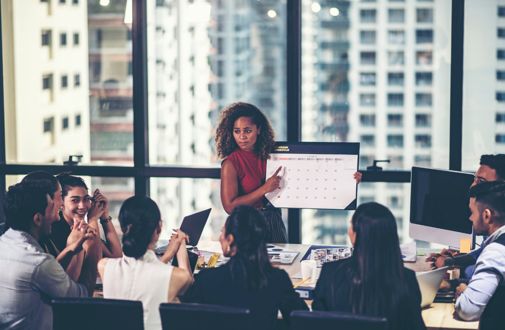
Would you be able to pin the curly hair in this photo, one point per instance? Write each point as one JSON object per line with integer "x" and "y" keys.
{"x": 225, "y": 142}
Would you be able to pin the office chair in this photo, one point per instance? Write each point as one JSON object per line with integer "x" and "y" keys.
{"x": 302, "y": 320}
{"x": 97, "y": 314}
{"x": 201, "y": 316}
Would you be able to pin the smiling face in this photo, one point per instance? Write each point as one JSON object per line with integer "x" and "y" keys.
{"x": 58, "y": 201}
{"x": 245, "y": 133}
{"x": 76, "y": 204}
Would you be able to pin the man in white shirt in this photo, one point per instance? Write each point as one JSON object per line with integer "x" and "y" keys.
{"x": 484, "y": 296}
{"x": 29, "y": 277}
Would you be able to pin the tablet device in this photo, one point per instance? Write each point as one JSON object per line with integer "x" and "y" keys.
{"x": 193, "y": 225}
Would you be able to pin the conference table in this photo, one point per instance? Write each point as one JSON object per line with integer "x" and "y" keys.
{"x": 437, "y": 316}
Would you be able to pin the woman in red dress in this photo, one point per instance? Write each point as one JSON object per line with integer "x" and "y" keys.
{"x": 244, "y": 139}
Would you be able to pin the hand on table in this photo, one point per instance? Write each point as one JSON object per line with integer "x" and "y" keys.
{"x": 460, "y": 289}
{"x": 438, "y": 259}
{"x": 273, "y": 182}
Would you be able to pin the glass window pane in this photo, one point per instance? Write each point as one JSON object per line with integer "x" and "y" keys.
{"x": 178, "y": 198}
{"x": 73, "y": 61}
{"x": 483, "y": 84}
{"x": 204, "y": 55}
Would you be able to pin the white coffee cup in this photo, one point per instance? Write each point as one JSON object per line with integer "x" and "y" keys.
{"x": 309, "y": 269}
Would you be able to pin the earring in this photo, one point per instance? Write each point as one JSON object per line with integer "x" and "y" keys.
{"x": 228, "y": 249}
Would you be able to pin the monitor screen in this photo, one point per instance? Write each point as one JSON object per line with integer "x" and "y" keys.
{"x": 439, "y": 199}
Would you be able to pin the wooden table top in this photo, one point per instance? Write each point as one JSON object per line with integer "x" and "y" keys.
{"x": 437, "y": 316}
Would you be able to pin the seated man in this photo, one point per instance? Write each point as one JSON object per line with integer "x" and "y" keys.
{"x": 30, "y": 278}
{"x": 492, "y": 168}
{"x": 484, "y": 296}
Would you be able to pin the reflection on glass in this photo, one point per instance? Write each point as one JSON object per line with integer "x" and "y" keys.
{"x": 389, "y": 90}
{"x": 67, "y": 81}
{"x": 204, "y": 55}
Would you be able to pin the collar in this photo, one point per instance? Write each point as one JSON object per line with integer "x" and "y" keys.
{"x": 494, "y": 236}
{"x": 22, "y": 236}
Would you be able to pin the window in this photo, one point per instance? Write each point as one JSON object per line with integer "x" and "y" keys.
{"x": 365, "y": 160}
{"x": 63, "y": 39}
{"x": 220, "y": 45}
{"x": 77, "y": 120}
{"x": 77, "y": 80}
{"x": 395, "y": 120}
{"x": 76, "y": 39}
{"x": 423, "y": 100}
{"x": 47, "y": 82}
{"x": 423, "y": 141}
{"x": 500, "y": 96}
{"x": 424, "y": 78}
{"x": 396, "y": 37}
{"x": 499, "y": 138}
{"x": 64, "y": 123}
{"x": 395, "y": 202}
{"x": 46, "y": 38}
{"x": 367, "y": 140}
{"x": 220, "y": 69}
{"x": 500, "y": 54}
{"x": 48, "y": 125}
{"x": 424, "y": 15}
{"x": 368, "y": 58}
{"x": 423, "y": 120}
{"x": 368, "y": 15}
{"x": 75, "y": 2}
{"x": 63, "y": 2}
{"x": 501, "y": 11}
{"x": 501, "y": 32}
{"x": 396, "y": 15}
{"x": 367, "y": 100}
{"x": 367, "y": 79}
{"x": 367, "y": 37}
{"x": 395, "y": 79}
{"x": 424, "y": 57}
{"x": 64, "y": 81}
{"x": 367, "y": 120}
{"x": 396, "y": 58}
{"x": 500, "y": 117}
{"x": 395, "y": 99}
{"x": 395, "y": 141}
{"x": 424, "y": 36}
{"x": 395, "y": 161}
{"x": 422, "y": 160}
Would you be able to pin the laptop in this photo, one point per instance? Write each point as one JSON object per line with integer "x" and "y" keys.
{"x": 429, "y": 282}
{"x": 193, "y": 226}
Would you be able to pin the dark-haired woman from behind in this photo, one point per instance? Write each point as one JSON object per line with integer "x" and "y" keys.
{"x": 373, "y": 281}
{"x": 248, "y": 280}
{"x": 139, "y": 275}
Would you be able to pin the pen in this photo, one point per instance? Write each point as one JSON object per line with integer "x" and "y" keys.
{"x": 305, "y": 280}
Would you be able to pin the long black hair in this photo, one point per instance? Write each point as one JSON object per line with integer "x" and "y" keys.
{"x": 377, "y": 286}
{"x": 139, "y": 216}
{"x": 249, "y": 230}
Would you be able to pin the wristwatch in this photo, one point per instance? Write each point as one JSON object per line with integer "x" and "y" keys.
{"x": 104, "y": 221}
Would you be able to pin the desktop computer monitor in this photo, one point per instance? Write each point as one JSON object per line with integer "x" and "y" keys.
{"x": 439, "y": 211}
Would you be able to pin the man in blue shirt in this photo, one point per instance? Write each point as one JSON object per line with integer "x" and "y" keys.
{"x": 29, "y": 277}
{"x": 484, "y": 296}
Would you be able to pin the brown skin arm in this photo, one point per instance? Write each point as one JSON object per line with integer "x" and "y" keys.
{"x": 229, "y": 188}
{"x": 179, "y": 283}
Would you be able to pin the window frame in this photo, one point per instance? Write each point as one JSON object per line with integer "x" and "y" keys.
{"x": 142, "y": 172}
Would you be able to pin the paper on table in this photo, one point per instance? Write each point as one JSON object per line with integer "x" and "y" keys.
{"x": 409, "y": 251}
{"x": 299, "y": 274}
{"x": 465, "y": 245}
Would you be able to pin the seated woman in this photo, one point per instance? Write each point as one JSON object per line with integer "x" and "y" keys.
{"x": 77, "y": 204}
{"x": 248, "y": 280}
{"x": 373, "y": 281}
{"x": 139, "y": 275}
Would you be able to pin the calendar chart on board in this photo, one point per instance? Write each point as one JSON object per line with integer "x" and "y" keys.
{"x": 314, "y": 175}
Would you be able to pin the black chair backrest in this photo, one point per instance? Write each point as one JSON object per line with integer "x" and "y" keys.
{"x": 201, "y": 316}
{"x": 97, "y": 314}
{"x": 336, "y": 320}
